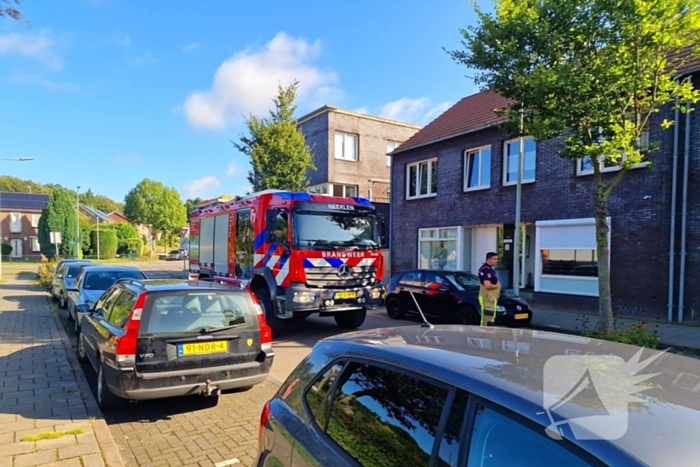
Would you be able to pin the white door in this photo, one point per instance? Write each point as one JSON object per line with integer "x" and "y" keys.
{"x": 484, "y": 240}
{"x": 16, "y": 244}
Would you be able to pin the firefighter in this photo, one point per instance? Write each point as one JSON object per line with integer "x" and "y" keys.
{"x": 489, "y": 287}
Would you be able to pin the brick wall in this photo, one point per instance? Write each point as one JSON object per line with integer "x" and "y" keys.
{"x": 640, "y": 227}
{"x": 315, "y": 131}
{"x": 27, "y": 230}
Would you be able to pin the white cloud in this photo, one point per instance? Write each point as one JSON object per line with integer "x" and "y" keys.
{"x": 190, "y": 47}
{"x": 419, "y": 111}
{"x": 200, "y": 187}
{"x": 233, "y": 169}
{"x": 246, "y": 82}
{"x": 41, "y": 46}
{"x": 126, "y": 158}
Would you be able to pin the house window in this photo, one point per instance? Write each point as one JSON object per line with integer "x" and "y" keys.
{"x": 345, "y": 146}
{"x": 477, "y": 168}
{"x": 422, "y": 179}
{"x": 390, "y": 146}
{"x": 35, "y": 244}
{"x": 15, "y": 222}
{"x": 35, "y": 220}
{"x": 438, "y": 249}
{"x": 580, "y": 263}
{"x": 585, "y": 166}
{"x": 511, "y": 159}
{"x": 345, "y": 191}
{"x": 324, "y": 189}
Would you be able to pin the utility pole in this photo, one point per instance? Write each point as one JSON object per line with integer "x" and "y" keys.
{"x": 98, "y": 238}
{"x": 518, "y": 201}
{"x": 77, "y": 218}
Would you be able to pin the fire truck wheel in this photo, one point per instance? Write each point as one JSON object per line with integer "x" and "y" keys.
{"x": 276, "y": 324}
{"x": 350, "y": 319}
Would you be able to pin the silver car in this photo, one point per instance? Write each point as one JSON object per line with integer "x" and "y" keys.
{"x": 92, "y": 283}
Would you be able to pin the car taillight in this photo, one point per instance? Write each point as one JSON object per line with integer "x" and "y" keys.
{"x": 264, "y": 416}
{"x": 265, "y": 331}
{"x": 126, "y": 344}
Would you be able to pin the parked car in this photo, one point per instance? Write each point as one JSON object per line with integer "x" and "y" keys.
{"x": 451, "y": 296}
{"x": 64, "y": 278}
{"x": 61, "y": 263}
{"x": 163, "y": 338}
{"x": 177, "y": 255}
{"x": 92, "y": 282}
{"x": 474, "y": 396}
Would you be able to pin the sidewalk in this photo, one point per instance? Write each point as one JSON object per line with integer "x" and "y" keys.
{"x": 671, "y": 335}
{"x": 48, "y": 414}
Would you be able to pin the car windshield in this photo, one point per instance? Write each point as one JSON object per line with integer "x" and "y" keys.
{"x": 325, "y": 230}
{"x": 198, "y": 312}
{"x": 462, "y": 280}
{"x": 174, "y": 252}
{"x": 73, "y": 271}
{"x": 102, "y": 280}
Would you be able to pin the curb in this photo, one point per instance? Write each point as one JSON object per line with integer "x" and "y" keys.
{"x": 110, "y": 451}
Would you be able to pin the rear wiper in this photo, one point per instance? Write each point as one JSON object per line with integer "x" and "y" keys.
{"x": 222, "y": 328}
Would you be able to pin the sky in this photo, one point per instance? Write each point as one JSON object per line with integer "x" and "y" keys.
{"x": 104, "y": 93}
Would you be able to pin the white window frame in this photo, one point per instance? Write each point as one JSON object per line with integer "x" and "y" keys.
{"x": 395, "y": 145}
{"x": 16, "y": 227}
{"x": 33, "y": 239}
{"x": 355, "y": 157}
{"x": 330, "y": 186}
{"x": 430, "y": 194}
{"x": 505, "y": 161}
{"x": 35, "y": 220}
{"x": 465, "y": 174}
{"x": 643, "y": 143}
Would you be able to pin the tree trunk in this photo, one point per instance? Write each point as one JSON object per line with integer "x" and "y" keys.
{"x": 605, "y": 314}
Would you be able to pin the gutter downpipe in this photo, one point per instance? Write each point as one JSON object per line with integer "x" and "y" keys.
{"x": 674, "y": 195}
{"x": 684, "y": 214}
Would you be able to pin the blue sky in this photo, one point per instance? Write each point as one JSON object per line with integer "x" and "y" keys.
{"x": 103, "y": 93}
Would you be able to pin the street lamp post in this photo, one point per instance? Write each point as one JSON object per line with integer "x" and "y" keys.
{"x": 518, "y": 201}
{"x": 77, "y": 229}
{"x": 18, "y": 159}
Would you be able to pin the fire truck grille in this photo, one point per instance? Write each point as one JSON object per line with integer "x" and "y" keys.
{"x": 328, "y": 277}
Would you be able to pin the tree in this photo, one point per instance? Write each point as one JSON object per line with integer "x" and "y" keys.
{"x": 156, "y": 206}
{"x": 99, "y": 202}
{"x": 589, "y": 75}
{"x": 107, "y": 243}
{"x": 58, "y": 216}
{"x": 16, "y": 185}
{"x": 191, "y": 205}
{"x": 6, "y": 9}
{"x": 279, "y": 155}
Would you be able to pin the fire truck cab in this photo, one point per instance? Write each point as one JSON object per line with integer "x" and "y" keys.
{"x": 299, "y": 253}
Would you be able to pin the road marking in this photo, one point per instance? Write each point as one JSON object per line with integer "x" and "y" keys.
{"x": 227, "y": 462}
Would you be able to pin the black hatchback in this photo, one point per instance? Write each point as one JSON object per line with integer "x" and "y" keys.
{"x": 452, "y": 296}
{"x": 154, "y": 339}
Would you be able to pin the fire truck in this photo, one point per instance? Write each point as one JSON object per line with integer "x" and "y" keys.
{"x": 299, "y": 253}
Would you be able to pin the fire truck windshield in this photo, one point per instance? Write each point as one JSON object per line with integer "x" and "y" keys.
{"x": 335, "y": 231}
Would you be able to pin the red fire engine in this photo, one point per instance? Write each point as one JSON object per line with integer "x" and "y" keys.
{"x": 299, "y": 253}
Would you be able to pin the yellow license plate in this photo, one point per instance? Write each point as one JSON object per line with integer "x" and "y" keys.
{"x": 521, "y": 316}
{"x": 202, "y": 348}
{"x": 345, "y": 295}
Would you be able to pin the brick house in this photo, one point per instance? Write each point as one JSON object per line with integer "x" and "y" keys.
{"x": 350, "y": 152}
{"x": 453, "y": 191}
{"x": 19, "y": 222}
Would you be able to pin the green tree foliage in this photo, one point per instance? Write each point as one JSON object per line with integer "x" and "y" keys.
{"x": 16, "y": 185}
{"x": 7, "y": 9}
{"x": 86, "y": 226}
{"x": 590, "y": 74}
{"x": 58, "y": 216}
{"x": 156, "y": 206}
{"x": 279, "y": 155}
{"x": 107, "y": 243}
{"x": 128, "y": 239}
{"x": 5, "y": 249}
{"x": 191, "y": 205}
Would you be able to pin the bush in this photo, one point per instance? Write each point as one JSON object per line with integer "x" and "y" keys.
{"x": 6, "y": 249}
{"x": 108, "y": 243}
{"x": 46, "y": 274}
{"x": 635, "y": 334}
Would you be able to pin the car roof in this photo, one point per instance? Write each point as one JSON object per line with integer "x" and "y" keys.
{"x": 96, "y": 267}
{"x": 176, "y": 285}
{"x": 483, "y": 361}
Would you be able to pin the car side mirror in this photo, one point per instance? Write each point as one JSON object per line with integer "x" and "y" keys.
{"x": 83, "y": 308}
{"x": 72, "y": 289}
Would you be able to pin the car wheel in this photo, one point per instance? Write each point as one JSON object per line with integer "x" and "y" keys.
{"x": 276, "y": 324}
{"x": 105, "y": 399}
{"x": 82, "y": 355}
{"x": 350, "y": 319}
{"x": 468, "y": 315}
{"x": 394, "y": 308}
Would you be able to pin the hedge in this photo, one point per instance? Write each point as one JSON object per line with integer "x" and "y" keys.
{"x": 108, "y": 243}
